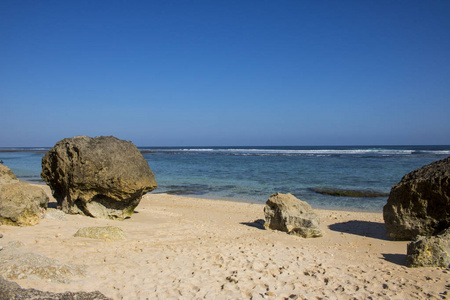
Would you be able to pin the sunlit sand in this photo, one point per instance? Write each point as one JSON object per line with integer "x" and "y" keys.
{"x": 186, "y": 248}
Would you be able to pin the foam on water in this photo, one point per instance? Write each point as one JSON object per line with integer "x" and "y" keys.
{"x": 318, "y": 152}
{"x": 254, "y": 173}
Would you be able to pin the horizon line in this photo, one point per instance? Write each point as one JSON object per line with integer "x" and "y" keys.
{"x": 259, "y": 146}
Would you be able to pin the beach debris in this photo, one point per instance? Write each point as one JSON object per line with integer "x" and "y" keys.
{"x": 101, "y": 177}
{"x": 420, "y": 203}
{"x": 431, "y": 251}
{"x": 11, "y": 290}
{"x": 108, "y": 233}
{"x": 21, "y": 204}
{"x": 16, "y": 264}
{"x": 6, "y": 175}
{"x": 287, "y": 213}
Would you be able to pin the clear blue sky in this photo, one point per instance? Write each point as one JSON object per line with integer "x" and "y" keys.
{"x": 225, "y": 72}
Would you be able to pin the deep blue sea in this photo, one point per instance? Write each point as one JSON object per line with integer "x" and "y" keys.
{"x": 252, "y": 174}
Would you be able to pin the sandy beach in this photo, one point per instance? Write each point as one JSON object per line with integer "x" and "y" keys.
{"x": 187, "y": 248}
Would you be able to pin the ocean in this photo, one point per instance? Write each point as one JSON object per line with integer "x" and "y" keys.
{"x": 356, "y": 178}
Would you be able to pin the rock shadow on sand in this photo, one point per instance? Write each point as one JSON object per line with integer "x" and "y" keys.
{"x": 363, "y": 228}
{"x": 399, "y": 259}
{"x": 256, "y": 224}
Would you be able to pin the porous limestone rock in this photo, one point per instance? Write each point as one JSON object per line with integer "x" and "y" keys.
{"x": 420, "y": 203}
{"x": 55, "y": 214}
{"x": 21, "y": 204}
{"x": 431, "y": 251}
{"x": 16, "y": 264}
{"x": 101, "y": 177}
{"x": 287, "y": 213}
{"x": 6, "y": 175}
{"x": 108, "y": 233}
{"x": 12, "y": 291}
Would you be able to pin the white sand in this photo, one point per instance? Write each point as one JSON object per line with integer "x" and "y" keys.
{"x": 186, "y": 248}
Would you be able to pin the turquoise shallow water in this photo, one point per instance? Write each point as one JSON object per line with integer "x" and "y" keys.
{"x": 252, "y": 174}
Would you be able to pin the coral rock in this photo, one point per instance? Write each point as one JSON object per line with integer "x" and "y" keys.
{"x": 420, "y": 203}
{"x": 287, "y": 213}
{"x": 101, "y": 177}
{"x": 431, "y": 251}
{"x": 21, "y": 204}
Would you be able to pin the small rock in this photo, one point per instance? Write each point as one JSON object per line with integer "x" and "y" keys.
{"x": 287, "y": 213}
{"x": 1, "y": 235}
{"x": 431, "y": 251}
{"x": 6, "y": 175}
{"x": 55, "y": 214}
{"x": 11, "y": 290}
{"x": 109, "y": 233}
{"x": 16, "y": 264}
{"x": 21, "y": 204}
{"x": 16, "y": 244}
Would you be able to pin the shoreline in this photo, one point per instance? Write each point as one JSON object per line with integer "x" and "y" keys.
{"x": 263, "y": 203}
{"x": 156, "y": 192}
{"x": 179, "y": 247}
{"x": 253, "y": 174}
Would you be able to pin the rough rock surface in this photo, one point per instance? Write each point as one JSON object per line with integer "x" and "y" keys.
{"x": 6, "y": 175}
{"x": 12, "y": 291}
{"x": 109, "y": 233}
{"x": 431, "y": 251}
{"x": 287, "y": 213}
{"x": 21, "y": 204}
{"x": 420, "y": 203}
{"x": 16, "y": 264}
{"x": 101, "y": 177}
{"x": 55, "y": 214}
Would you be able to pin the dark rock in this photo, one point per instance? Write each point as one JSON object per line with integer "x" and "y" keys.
{"x": 349, "y": 193}
{"x": 21, "y": 204}
{"x": 287, "y": 213}
{"x": 101, "y": 177}
{"x": 431, "y": 251}
{"x": 420, "y": 203}
{"x": 12, "y": 291}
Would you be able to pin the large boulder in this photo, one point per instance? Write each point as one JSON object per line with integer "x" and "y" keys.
{"x": 6, "y": 175}
{"x": 287, "y": 213}
{"x": 101, "y": 177}
{"x": 21, "y": 204}
{"x": 429, "y": 251}
{"x": 420, "y": 203}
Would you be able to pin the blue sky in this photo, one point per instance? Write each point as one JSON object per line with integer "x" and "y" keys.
{"x": 166, "y": 73}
